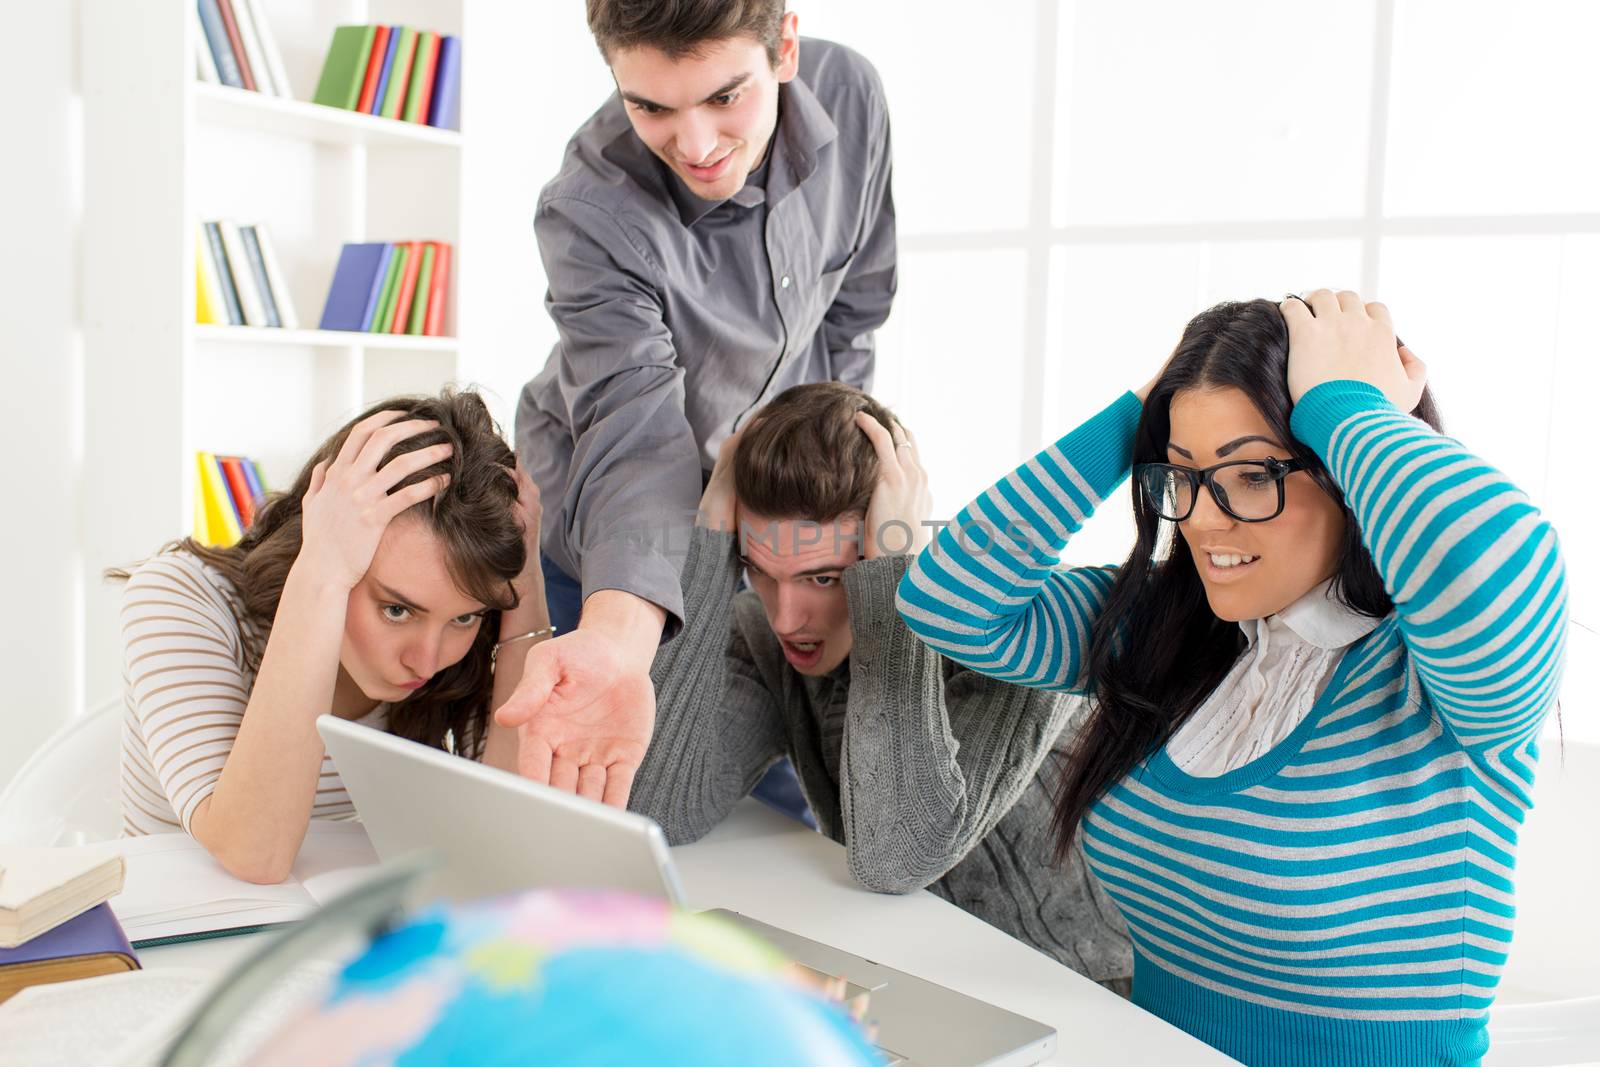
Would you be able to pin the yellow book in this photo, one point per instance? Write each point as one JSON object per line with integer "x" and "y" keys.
{"x": 222, "y": 524}
{"x": 208, "y": 303}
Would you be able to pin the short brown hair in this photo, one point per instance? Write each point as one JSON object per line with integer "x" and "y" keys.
{"x": 804, "y": 457}
{"x": 681, "y": 28}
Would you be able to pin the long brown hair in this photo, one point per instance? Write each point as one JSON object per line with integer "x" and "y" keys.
{"x": 473, "y": 517}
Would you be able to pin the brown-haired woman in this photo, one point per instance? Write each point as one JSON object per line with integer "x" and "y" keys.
{"x": 378, "y": 589}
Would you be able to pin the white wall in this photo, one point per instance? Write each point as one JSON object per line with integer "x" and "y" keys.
{"x": 40, "y": 390}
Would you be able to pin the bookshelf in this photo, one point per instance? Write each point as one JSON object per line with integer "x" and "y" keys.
{"x": 163, "y": 150}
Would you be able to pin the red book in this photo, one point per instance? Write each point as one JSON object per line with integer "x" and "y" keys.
{"x": 431, "y": 326}
{"x": 239, "y": 488}
{"x": 408, "y": 288}
{"x": 236, "y": 42}
{"x": 424, "y": 89}
{"x": 369, "y": 87}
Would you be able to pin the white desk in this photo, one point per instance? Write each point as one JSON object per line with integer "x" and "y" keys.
{"x": 771, "y": 868}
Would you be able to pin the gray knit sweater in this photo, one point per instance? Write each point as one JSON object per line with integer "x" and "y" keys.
{"x": 931, "y": 775}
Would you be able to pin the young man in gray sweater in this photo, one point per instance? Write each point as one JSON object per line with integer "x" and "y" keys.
{"x": 931, "y": 775}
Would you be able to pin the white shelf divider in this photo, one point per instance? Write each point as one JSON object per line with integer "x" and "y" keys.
{"x": 257, "y": 335}
{"x": 243, "y": 109}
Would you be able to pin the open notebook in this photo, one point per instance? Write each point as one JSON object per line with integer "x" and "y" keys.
{"x": 174, "y": 891}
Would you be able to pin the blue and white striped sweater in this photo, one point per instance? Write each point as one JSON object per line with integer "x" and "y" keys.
{"x": 1347, "y": 897}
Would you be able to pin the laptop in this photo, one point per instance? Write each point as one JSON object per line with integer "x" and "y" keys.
{"x": 414, "y": 799}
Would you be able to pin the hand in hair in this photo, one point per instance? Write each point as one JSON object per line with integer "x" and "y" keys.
{"x": 1335, "y": 337}
{"x": 349, "y": 504}
{"x": 719, "y": 503}
{"x": 529, "y": 513}
{"x": 584, "y": 719}
{"x": 900, "y": 501}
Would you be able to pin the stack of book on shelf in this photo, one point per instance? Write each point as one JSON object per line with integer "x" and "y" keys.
{"x": 396, "y": 287}
{"x": 228, "y": 490}
{"x": 234, "y": 46}
{"x": 55, "y": 925}
{"x": 238, "y": 278}
{"x": 396, "y": 72}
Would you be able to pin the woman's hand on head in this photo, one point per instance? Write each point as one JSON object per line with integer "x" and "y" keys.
{"x": 349, "y": 504}
{"x": 529, "y": 513}
{"x": 1335, "y": 337}
{"x": 719, "y": 504}
{"x": 901, "y": 502}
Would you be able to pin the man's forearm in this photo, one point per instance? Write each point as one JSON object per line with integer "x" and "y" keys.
{"x": 633, "y": 623}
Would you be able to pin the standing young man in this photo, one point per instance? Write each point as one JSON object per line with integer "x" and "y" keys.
{"x": 721, "y": 229}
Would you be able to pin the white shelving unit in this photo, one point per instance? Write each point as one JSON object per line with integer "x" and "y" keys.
{"x": 164, "y": 151}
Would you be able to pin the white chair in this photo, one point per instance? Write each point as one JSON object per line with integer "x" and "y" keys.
{"x": 68, "y": 793}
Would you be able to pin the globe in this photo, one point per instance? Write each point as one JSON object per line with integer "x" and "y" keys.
{"x": 568, "y": 977}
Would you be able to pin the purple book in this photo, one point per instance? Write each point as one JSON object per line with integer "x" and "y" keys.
{"x": 352, "y": 285}
{"x": 444, "y": 110}
{"x": 384, "y": 71}
{"x": 94, "y": 933}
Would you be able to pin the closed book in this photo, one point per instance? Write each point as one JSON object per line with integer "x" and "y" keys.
{"x": 444, "y": 111}
{"x": 252, "y": 46}
{"x": 258, "y": 268}
{"x": 272, "y": 57}
{"x": 369, "y": 84}
{"x": 209, "y": 307}
{"x": 91, "y": 944}
{"x": 401, "y": 312}
{"x": 219, "y": 260}
{"x": 236, "y": 42}
{"x": 433, "y": 325}
{"x": 394, "y": 96}
{"x": 244, "y": 280}
{"x": 421, "y": 91}
{"x": 375, "y": 297}
{"x": 41, "y": 888}
{"x": 217, "y": 37}
{"x": 280, "y": 287}
{"x": 205, "y": 63}
{"x": 252, "y": 477}
{"x": 419, "y": 304}
{"x": 352, "y": 282}
{"x": 391, "y": 285}
{"x": 345, "y": 67}
{"x": 386, "y": 71}
{"x": 223, "y": 525}
{"x": 238, "y": 489}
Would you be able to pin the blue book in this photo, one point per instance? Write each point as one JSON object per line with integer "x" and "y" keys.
{"x": 388, "y": 65}
{"x": 444, "y": 110}
{"x": 376, "y": 295}
{"x": 219, "y": 256}
{"x": 258, "y": 267}
{"x": 252, "y": 479}
{"x": 352, "y": 285}
{"x": 217, "y": 38}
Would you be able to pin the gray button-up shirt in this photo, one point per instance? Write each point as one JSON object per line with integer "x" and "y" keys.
{"x": 679, "y": 317}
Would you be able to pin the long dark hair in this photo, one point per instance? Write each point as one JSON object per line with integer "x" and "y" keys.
{"x": 473, "y": 518}
{"x": 1157, "y": 650}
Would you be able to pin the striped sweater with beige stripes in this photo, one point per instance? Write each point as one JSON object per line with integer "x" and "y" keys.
{"x": 186, "y": 682}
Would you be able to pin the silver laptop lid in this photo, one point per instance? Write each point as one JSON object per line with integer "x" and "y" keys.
{"x": 415, "y": 799}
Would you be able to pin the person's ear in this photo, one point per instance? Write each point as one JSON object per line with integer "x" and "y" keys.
{"x": 788, "y": 64}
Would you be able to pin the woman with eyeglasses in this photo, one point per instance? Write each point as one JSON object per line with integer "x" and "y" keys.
{"x": 1317, "y": 680}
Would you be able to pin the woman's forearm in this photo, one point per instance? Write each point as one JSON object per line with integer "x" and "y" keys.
{"x": 531, "y": 615}
{"x": 256, "y": 816}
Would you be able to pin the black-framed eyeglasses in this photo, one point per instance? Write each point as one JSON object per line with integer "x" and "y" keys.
{"x": 1250, "y": 490}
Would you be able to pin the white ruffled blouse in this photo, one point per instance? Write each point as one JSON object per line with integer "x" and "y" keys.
{"x": 1270, "y": 691}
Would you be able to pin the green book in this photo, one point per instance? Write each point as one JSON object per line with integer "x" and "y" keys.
{"x": 421, "y": 79}
{"x": 391, "y": 283}
{"x": 419, "y": 301}
{"x": 394, "y": 94}
{"x": 346, "y": 67}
